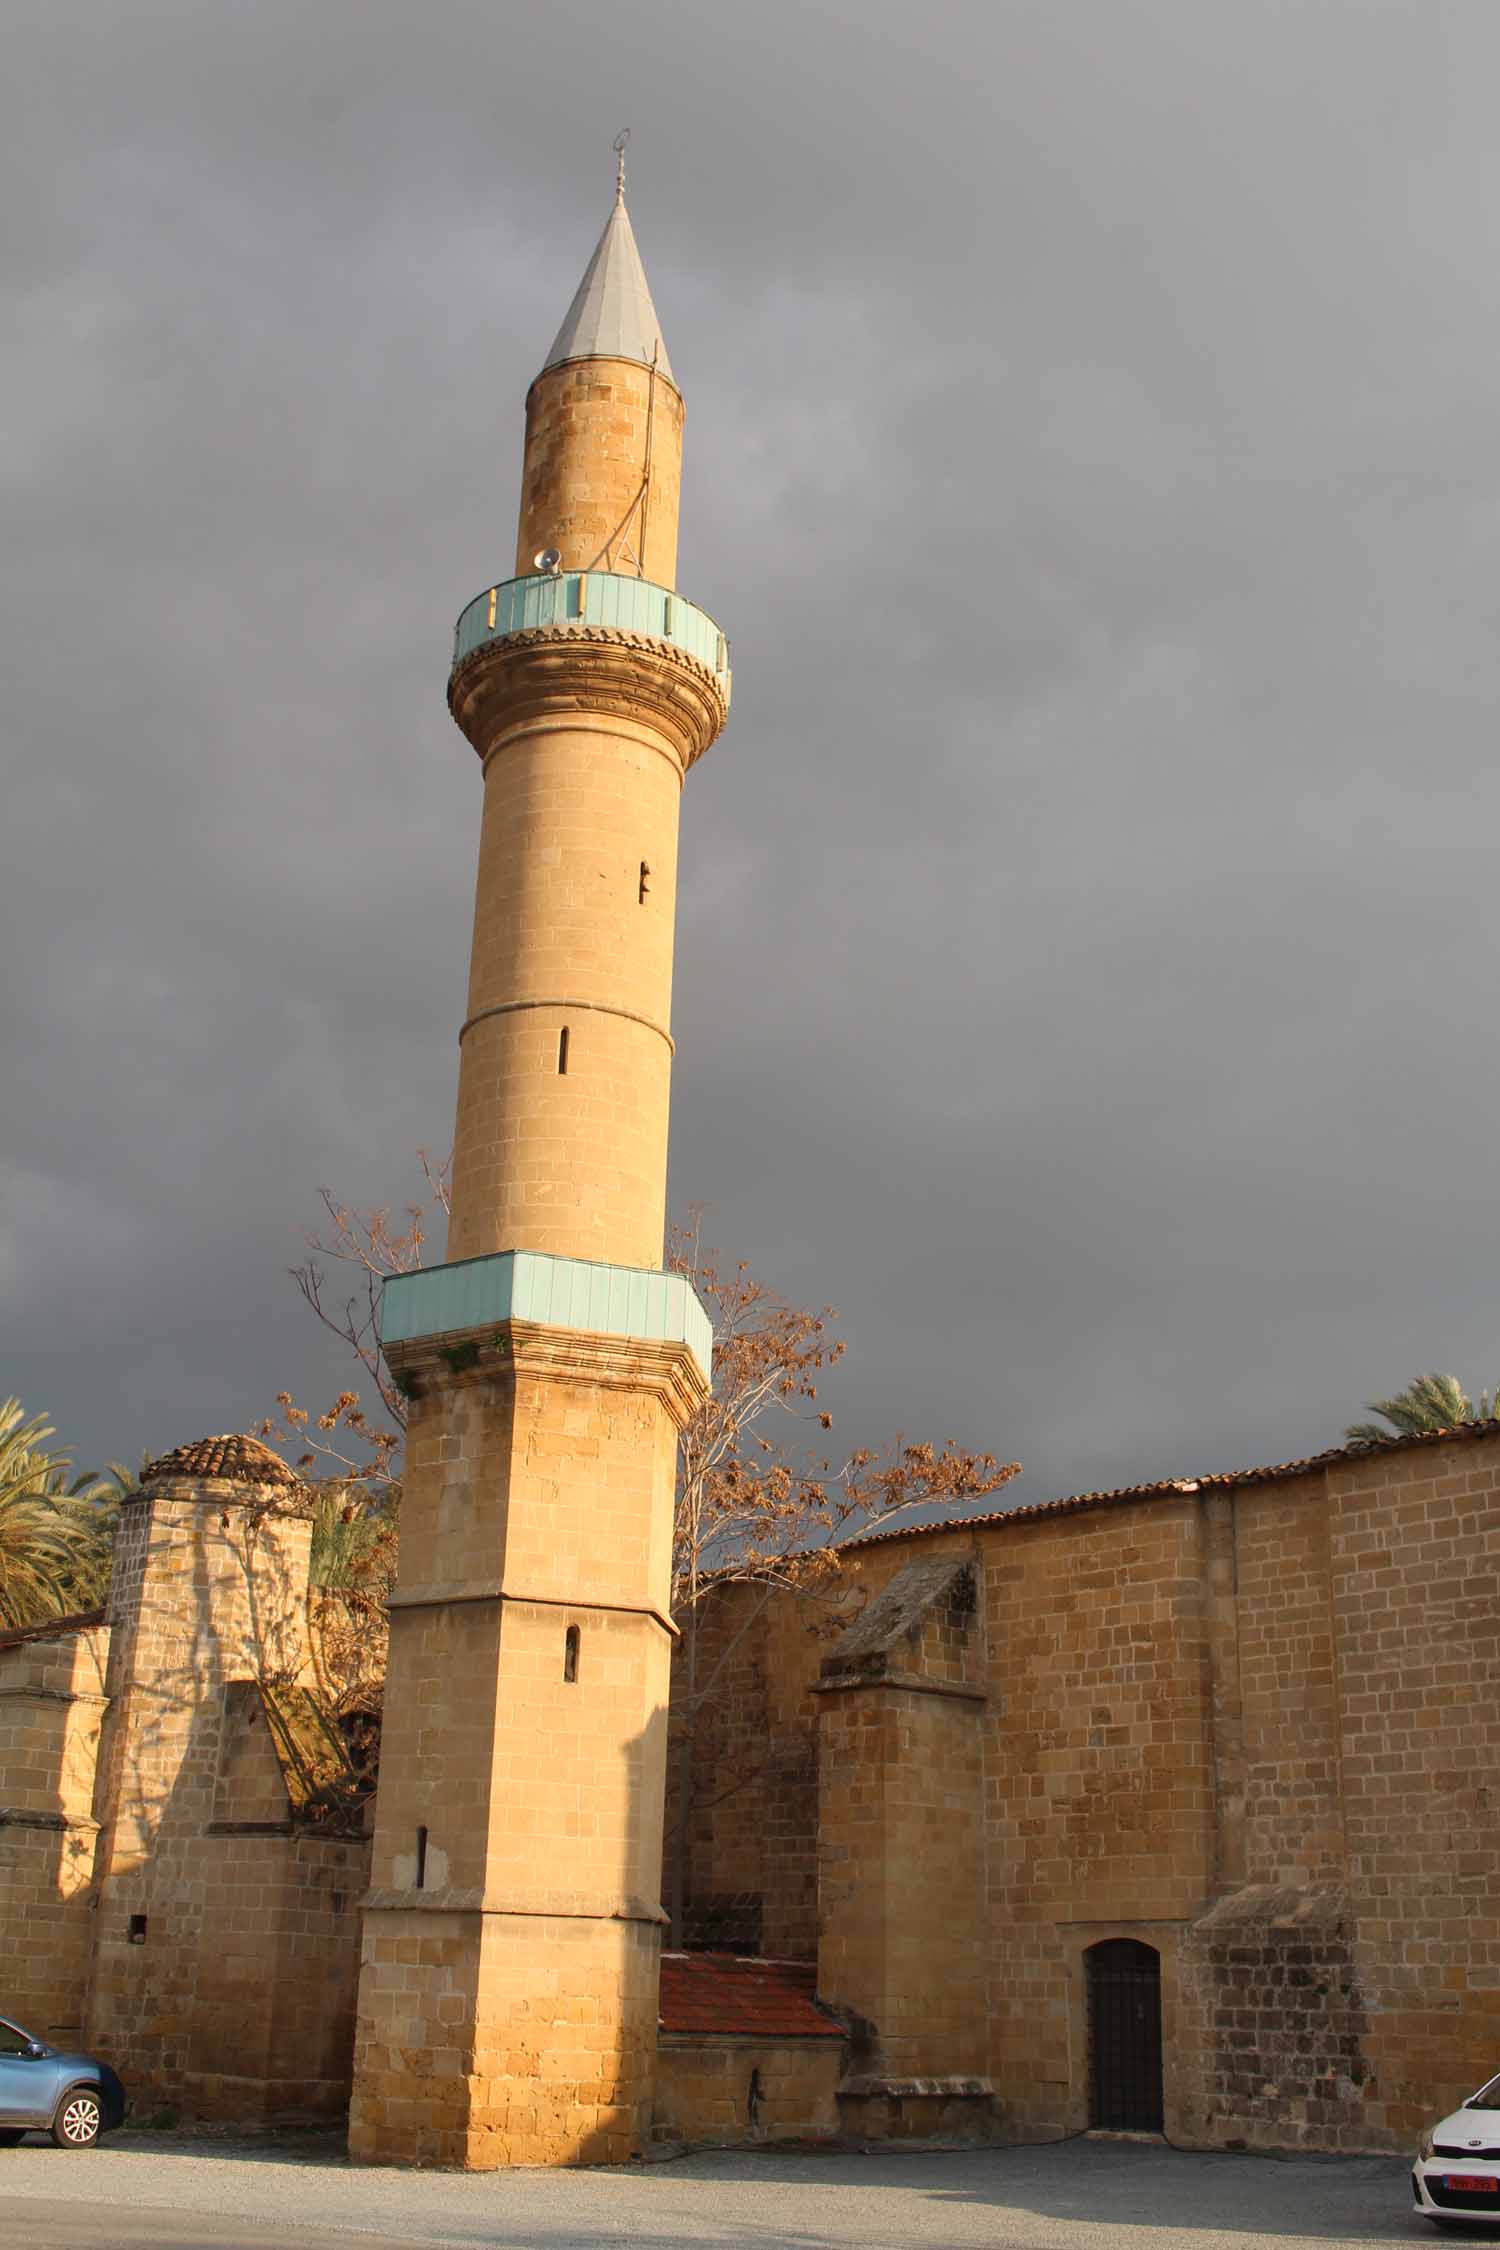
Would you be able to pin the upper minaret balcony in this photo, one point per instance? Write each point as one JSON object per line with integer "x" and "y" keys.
{"x": 561, "y": 640}
{"x": 577, "y": 599}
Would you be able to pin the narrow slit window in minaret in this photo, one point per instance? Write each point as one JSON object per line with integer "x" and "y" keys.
{"x": 645, "y": 881}
{"x": 570, "y": 1654}
{"x": 421, "y": 1883}
{"x": 562, "y": 1052}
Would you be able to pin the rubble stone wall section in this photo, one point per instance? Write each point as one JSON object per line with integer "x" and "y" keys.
{"x": 751, "y": 1875}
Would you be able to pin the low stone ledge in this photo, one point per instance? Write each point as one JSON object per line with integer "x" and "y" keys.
{"x": 588, "y": 1906}
{"x": 909, "y": 1683}
{"x": 861, "y": 2085}
{"x": 12, "y": 1816}
{"x": 873, "y": 2107}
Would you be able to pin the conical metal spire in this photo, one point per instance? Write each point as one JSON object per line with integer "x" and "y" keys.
{"x": 612, "y": 316}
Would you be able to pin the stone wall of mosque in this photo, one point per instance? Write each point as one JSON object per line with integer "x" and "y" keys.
{"x": 52, "y": 1705}
{"x": 1229, "y": 1740}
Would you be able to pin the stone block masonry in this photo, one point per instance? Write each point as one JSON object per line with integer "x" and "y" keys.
{"x": 592, "y": 428}
{"x": 1242, "y": 1723}
{"x": 508, "y": 1986}
{"x": 52, "y": 1705}
{"x": 508, "y": 1993}
{"x": 224, "y": 1945}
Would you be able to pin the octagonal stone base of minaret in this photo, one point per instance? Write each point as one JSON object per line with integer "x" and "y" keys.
{"x": 518, "y": 2039}
{"x": 508, "y": 1991}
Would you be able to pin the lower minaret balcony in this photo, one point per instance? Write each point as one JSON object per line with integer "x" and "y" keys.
{"x": 482, "y": 1312}
{"x": 550, "y": 648}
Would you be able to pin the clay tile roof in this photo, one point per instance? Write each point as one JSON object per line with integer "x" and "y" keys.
{"x": 235, "y": 1459}
{"x": 725, "y": 1996}
{"x": 1219, "y": 1480}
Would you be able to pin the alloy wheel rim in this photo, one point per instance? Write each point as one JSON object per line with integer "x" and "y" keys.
{"x": 81, "y": 2118}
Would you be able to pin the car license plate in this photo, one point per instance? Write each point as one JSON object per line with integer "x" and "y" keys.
{"x": 1471, "y": 2183}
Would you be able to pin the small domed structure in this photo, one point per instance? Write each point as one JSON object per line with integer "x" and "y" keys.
{"x": 232, "y": 1459}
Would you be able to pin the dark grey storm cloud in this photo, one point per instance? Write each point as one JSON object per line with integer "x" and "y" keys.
{"x": 1086, "y": 959}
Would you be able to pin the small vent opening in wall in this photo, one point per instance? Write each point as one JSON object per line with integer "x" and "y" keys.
{"x": 570, "y": 1653}
{"x": 562, "y": 1052}
{"x": 421, "y": 1859}
{"x": 137, "y": 1929}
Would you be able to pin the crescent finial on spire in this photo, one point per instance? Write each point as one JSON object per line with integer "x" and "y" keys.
{"x": 620, "y": 140}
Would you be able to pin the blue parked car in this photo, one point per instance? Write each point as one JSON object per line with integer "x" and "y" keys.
{"x": 72, "y": 2097}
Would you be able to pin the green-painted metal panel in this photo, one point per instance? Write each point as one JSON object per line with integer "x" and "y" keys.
{"x": 598, "y": 597}
{"x": 478, "y": 1293}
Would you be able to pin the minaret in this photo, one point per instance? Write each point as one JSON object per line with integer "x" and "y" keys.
{"x": 508, "y": 1992}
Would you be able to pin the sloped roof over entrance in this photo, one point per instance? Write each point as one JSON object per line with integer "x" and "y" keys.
{"x": 727, "y": 1996}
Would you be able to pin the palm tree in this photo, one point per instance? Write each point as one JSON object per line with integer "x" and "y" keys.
{"x": 56, "y": 1537}
{"x": 1432, "y": 1402}
{"x": 353, "y": 1537}
{"x": 352, "y": 1571}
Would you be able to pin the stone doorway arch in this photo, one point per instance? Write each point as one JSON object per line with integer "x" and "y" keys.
{"x": 1125, "y": 2059}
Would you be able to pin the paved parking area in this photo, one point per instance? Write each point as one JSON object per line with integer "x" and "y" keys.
{"x": 177, "y": 2192}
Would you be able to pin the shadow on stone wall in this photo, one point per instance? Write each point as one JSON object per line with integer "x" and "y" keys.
{"x": 226, "y": 1922}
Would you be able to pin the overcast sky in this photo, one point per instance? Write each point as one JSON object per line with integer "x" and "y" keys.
{"x": 1086, "y": 969}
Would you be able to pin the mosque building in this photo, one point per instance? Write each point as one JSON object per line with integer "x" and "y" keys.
{"x": 1162, "y": 1808}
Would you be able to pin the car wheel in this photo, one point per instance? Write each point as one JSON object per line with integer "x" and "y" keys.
{"x": 78, "y": 2119}
{"x": 12, "y": 2135}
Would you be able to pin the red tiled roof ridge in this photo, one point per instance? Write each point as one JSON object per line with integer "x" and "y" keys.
{"x": 741, "y": 1960}
{"x": 742, "y": 1996}
{"x": 1213, "y": 1480}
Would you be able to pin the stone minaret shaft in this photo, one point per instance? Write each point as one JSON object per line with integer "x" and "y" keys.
{"x": 566, "y": 1054}
{"x": 508, "y": 1989}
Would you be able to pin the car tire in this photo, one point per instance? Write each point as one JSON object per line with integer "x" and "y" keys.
{"x": 79, "y": 2119}
{"x": 11, "y": 2136}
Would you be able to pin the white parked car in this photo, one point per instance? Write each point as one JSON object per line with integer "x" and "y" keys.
{"x": 1456, "y": 2177}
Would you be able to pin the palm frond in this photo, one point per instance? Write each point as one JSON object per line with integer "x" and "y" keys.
{"x": 56, "y": 1529}
{"x": 1432, "y": 1402}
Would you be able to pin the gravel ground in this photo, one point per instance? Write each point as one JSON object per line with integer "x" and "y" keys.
{"x": 165, "y": 2191}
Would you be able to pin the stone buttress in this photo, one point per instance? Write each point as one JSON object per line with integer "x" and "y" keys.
{"x": 508, "y": 1996}
{"x": 222, "y": 1954}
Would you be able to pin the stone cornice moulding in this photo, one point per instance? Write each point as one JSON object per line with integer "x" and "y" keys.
{"x": 585, "y": 1906}
{"x": 509, "y": 1349}
{"x": 906, "y": 1683}
{"x": 471, "y": 1590}
{"x": 223, "y": 1492}
{"x": 577, "y": 671}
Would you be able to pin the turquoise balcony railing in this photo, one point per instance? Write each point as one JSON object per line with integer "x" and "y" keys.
{"x": 479, "y": 1293}
{"x": 592, "y": 597}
